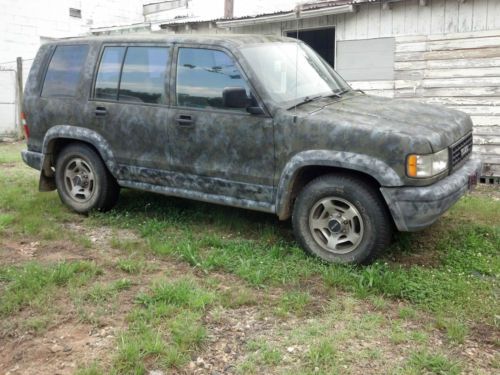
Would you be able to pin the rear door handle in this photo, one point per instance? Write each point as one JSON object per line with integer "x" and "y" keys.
{"x": 101, "y": 111}
{"x": 184, "y": 120}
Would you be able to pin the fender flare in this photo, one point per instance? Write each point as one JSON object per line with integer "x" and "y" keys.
{"x": 78, "y": 134}
{"x": 383, "y": 173}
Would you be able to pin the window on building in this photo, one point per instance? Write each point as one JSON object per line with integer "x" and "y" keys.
{"x": 74, "y": 12}
{"x": 108, "y": 75}
{"x": 65, "y": 70}
{"x": 143, "y": 76}
{"x": 202, "y": 76}
{"x": 366, "y": 60}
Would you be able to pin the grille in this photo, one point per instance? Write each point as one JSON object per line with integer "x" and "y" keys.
{"x": 461, "y": 151}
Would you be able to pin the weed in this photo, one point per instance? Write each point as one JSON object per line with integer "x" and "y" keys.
{"x": 432, "y": 363}
{"x": 293, "y": 302}
{"x": 456, "y": 331}
{"x": 92, "y": 369}
{"x": 407, "y": 312}
{"x": 32, "y": 283}
{"x": 131, "y": 265}
{"x": 182, "y": 293}
{"x": 322, "y": 355}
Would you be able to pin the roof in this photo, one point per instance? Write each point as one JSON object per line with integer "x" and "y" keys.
{"x": 303, "y": 10}
{"x": 229, "y": 40}
{"x": 312, "y": 8}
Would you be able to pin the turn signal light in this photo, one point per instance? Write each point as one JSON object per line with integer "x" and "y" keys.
{"x": 412, "y": 166}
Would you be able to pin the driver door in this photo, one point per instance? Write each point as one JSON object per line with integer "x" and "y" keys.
{"x": 228, "y": 151}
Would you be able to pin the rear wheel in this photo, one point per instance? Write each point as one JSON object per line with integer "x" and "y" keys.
{"x": 83, "y": 181}
{"x": 341, "y": 219}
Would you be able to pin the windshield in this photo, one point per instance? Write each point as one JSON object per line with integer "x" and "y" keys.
{"x": 293, "y": 72}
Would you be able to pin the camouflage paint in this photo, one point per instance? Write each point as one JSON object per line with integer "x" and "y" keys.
{"x": 415, "y": 208}
{"x": 245, "y": 160}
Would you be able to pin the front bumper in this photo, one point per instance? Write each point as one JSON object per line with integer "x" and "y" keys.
{"x": 415, "y": 208}
{"x": 33, "y": 159}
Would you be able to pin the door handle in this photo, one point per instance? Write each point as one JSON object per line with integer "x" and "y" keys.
{"x": 184, "y": 120}
{"x": 101, "y": 111}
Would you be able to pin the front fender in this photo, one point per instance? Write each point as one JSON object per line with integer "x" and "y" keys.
{"x": 80, "y": 134}
{"x": 383, "y": 173}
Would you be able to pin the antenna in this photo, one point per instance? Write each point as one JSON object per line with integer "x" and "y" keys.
{"x": 298, "y": 9}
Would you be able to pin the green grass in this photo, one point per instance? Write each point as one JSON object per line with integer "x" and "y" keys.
{"x": 468, "y": 265}
{"x": 424, "y": 362}
{"x": 165, "y": 328}
{"x": 31, "y": 284}
{"x": 11, "y": 153}
{"x": 131, "y": 265}
{"x": 293, "y": 302}
{"x": 456, "y": 286}
{"x": 92, "y": 369}
{"x": 26, "y": 212}
{"x": 100, "y": 293}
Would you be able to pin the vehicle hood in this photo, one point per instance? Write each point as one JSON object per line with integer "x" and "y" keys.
{"x": 440, "y": 126}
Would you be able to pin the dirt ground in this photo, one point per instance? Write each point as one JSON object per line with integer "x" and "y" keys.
{"x": 68, "y": 342}
{"x": 76, "y": 329}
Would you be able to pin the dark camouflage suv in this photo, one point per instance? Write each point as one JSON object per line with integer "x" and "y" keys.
{"x": 251, "y": 121}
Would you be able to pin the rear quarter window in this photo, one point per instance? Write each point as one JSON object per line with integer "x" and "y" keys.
{"x": 65, "y": 70}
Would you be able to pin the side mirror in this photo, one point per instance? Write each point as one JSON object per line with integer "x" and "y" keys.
{"x": 235, "y": 97}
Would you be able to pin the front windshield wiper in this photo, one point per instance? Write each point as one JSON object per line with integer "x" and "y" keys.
{"x": 340, "y": 93}
{"x": 307, "y": 99}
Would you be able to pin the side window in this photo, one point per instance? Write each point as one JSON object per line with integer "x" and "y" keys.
{"x": 143, "y": 75}
{"x": 202, "y": 76}
{"x": 65, "y": 70}
{"x": 108, "y": 75}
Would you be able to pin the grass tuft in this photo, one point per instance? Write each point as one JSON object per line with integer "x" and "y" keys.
{"x": 423, "y": 362}
{"x": 31, "y": 284}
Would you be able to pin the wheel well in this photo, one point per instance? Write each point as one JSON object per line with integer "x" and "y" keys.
{"x": 47, "y": 177}
{"x": 55, "y": 146}
{"x": 309, "y": 173}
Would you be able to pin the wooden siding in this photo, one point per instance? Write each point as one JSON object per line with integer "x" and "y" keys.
{"x": 438, "y": 72}
{"x": 447, "y": 52}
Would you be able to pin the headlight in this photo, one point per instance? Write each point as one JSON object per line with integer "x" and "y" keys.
{"x": 422, "y": 166}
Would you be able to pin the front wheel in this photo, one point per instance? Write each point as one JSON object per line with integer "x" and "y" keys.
{"x": 341, "y": 219}
{"x": 83, "y": 181}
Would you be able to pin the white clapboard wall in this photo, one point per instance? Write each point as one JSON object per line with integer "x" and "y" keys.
{"x": 458, "y": 70}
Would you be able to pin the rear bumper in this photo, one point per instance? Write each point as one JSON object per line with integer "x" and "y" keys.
{"x": 415, "y": 208}
{"x": 33, "y": 159}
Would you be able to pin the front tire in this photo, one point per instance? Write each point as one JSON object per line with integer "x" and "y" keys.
{"x": 83, "y": 181}
{"x": 341, "y": 219}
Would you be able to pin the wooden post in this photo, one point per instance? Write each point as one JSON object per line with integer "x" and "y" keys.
{"x": 228, "y": 9}
{"x": 19, "y": 96}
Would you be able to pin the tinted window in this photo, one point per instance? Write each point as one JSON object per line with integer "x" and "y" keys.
{"x": 202, "y": 75}
{"x": 108, "y": 76}
{"x": 143, "y": 76}
{"x": 65, "y": 71}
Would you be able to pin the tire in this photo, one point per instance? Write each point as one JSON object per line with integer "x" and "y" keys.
{"x": 341, "y": 219}
{"x": 83, "y": 182}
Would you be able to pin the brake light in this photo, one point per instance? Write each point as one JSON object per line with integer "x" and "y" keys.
{"x": 25, "y": 126}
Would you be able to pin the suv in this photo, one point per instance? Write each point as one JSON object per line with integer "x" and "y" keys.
{"x": 251, "y": 121}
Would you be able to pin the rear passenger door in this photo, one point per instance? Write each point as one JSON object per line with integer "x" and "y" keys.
{"x": 225, "y": 151}
{"x": 129, "y": 109}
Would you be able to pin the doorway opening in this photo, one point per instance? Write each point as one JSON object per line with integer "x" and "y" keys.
{"x": 321, "y": 40}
